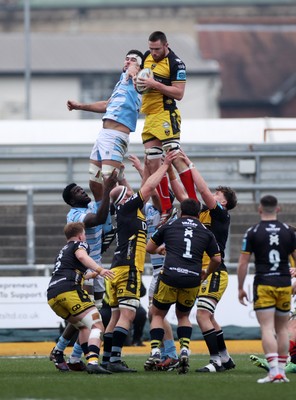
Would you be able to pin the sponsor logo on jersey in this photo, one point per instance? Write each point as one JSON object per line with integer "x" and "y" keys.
{"x": 76, "y": 307}
{"x": 181, "y": 75}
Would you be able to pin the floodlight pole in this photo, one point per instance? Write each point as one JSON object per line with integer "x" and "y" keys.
{"x": 27, "y": 59}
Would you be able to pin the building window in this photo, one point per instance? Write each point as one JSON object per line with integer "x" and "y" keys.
{"x": 96, "y": 88}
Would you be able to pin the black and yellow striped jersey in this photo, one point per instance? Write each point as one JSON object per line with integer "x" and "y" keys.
{"x": 131, "y": 234}
{"x": 271, "y": 242}
{"x": 68, "y": 271}
{"x": 217, "y": 220}
{"x": 170, "y": 69}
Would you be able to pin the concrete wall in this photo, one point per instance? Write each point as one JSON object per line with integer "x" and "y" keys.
{"x": 49, "y": 95}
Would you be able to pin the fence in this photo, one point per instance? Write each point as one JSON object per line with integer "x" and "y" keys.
{"x": 252, "y": 173}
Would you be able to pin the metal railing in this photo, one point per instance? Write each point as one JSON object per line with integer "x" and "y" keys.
{"x": 30, "y": 220}
{"x": 255, "y": 188}
{"x": 31, "y": 189}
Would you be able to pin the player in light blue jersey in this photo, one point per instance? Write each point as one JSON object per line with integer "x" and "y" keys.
{"x": 94, "y": 233}
{"x": 120, "y": 118}
{"x": 93, "y": 215}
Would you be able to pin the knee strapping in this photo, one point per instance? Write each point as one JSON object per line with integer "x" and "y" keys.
{"x": 108, "y": 169}
{"x": 91, "y": 318}
{"x": 204, "y": 303}
{"x": 95, "y": 333}
{"x": 153, "y": 153}
{"x": 131, "y": 304}
{"x": 171, "y": 145}
{"x": 95, "y": 174}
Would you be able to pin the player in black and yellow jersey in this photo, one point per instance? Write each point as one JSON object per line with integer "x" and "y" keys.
{"x": 69, "y": 301}
{"x": 128, "y": 264}
{"x": 185, "y": 240}
{"x": 271, "y": 242}
{"x": 215, "y": 216}
{"x": 162, "y": 118}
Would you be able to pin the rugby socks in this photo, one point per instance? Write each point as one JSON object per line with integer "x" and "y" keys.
{"x": 84, "y": 347}
{"x": 107, "y": 348}
{"x": 119, "y": 336}
{"x": 222, "y": 346}
{"x": 184, "y": 335}
{"x": 139, "y": 325}
{"x": 164, "y": 194}
{"x": 272, "y": 359}
{"x": 210, "y": 338}
{"x": 156, "y": 335}
{"x": 188, "y": 183}
{"x": 282, "y": 361}
{"x": 93, "y": 355}
{"x": 76, "y": 352}
{"x": 62, "y": 343}
{"x": 169, "y": 349}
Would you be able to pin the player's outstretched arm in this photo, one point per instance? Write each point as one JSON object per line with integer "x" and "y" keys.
{"x": 97, "y": 107}
{"x": 154, "y": 180}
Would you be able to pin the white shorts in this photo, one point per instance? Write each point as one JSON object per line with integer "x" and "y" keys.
{"x": 99, "y": 284}
{"x": 110, "y": 145}
{"x": 153, "y": 282}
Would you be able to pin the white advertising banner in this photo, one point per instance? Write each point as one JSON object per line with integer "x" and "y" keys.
{"x": 23, "y": 304}
{"x": 229, "y": 310}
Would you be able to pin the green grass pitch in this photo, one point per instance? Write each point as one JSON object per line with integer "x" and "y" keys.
{"x": 37, "y": 378}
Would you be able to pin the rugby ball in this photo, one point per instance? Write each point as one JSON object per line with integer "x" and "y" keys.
{"x": 144, "y": 73}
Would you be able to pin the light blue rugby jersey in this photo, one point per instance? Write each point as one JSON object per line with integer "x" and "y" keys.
{"x": 152, "y": 220}
{"x": 124, "y": 104}
{"x": 94, "y": 234}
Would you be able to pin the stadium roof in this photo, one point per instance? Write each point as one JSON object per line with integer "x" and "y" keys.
{"x": 257, "y": 57}
{"x": 144, "y": 3}
{"x": 85, "y": 52}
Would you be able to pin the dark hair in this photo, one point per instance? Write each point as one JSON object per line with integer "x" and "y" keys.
{"x": 230, "y": 196}
{"x": 269, "y": 203}
{"x": 157, "y": 35}
{"x": 190, "y": 207}
{"x": 67, "y": 193}
{"x": 73, "y": 229}
{"x": 138, "y": 53}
